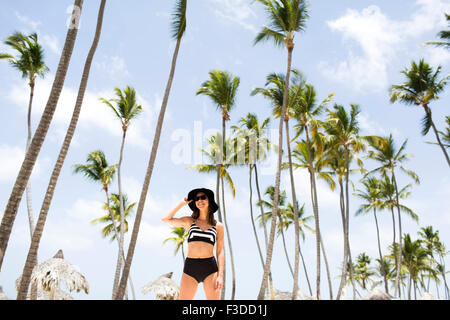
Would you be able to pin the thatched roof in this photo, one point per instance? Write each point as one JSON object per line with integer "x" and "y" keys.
{"x": 52, "y": 273}
{"x": 163, "y": 287}
{"x": 377, "y": 294}
{"x": 49, "y": 275}
{"x": 2, "y": 295}
{"x": 283, "y": 295}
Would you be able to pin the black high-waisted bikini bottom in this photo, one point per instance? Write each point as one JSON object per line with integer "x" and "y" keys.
{"x": 200, "y": 268}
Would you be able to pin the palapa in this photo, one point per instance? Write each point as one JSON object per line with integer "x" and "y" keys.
{"x": 163, "y": 287}
{"x": 49, "y": 275}
{"x": 2, "y": 294}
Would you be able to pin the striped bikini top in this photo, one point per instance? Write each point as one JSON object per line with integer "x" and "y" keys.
{"x": 197, "y": 234}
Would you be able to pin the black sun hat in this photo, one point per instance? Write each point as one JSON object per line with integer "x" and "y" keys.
{"x": 208, "y": 193}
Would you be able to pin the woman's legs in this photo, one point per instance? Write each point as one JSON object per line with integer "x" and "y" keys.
{"x": 209, "y": 285}
{"x": 188, "y": 287}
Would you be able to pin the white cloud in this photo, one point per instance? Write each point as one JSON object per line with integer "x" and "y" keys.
{"x": 378, "y": 40}
{"x": 235, "y": 11}
{"x": 94, "y": 113}
{"x": 114, "y": 66}
{"x": 11, "y": 159}
{"x": 46, "y": 40}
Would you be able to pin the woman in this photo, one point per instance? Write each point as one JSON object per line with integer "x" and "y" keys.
{"x": 203, "y": 233}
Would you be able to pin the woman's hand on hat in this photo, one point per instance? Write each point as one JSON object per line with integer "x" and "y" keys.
{"x": 186, "y": 201}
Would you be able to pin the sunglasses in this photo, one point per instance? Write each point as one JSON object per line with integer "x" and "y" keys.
{"x": 203, "y": 197}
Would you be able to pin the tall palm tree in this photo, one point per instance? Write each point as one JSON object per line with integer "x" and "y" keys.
{"x": 221, "y": 88}
{"x": 305, "y": 111}
{"x": 28, "y": 268}
{"x": 302, "y": 222}
{"x": 343, "y": 132}
{"x": 422, "y": 86}
{"x": 254, "y": 146}
{"x": 34, "y": 148}
{"x": 372, "y": 197}
{"x": 98, "y": 170}
{"x": 126, "y": 109}
{"x": 389, "y": 158}
{"x": 179, "y": 238}
{"x": 285, "y": 18}
{"x": 178, "y": 28}
{"x": 213, "y": 152}
{"x": 444, "y": 35}
{"x": 275, "y": 95}
{"x": 30, "y": 62}
{"x": 314, "y": 157}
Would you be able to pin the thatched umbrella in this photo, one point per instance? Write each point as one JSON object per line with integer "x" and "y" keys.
{"x": 283, "y": 295}
{"x": 49, "y": 275}
{"x": 377, "y": 294}
{"x": 164, "y": 287}
{"x": 2, "y": 295}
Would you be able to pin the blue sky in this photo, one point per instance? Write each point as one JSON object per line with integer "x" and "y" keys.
{"x": 354, "y": 49}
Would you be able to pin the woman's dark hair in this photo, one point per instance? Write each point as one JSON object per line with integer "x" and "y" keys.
{"x": 211, "y": 219}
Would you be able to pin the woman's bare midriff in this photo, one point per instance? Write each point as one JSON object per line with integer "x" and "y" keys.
{"x": 199, "y": 249}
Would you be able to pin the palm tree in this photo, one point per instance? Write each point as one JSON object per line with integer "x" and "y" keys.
{"x": 420, "y": 88}
{"x": 30, "y": 62}
{"x": 415, "y": 260}
{"x": 343, "y": 133}
{"x": 444, "y": 35}
{"x": 267, "y": 216}
{"x": 254, "y": 147}
{"x": 110, "y": 230}
{"x": 286, "y": 17}
{"x": 302, "y": 222}
{"x": 363, "y": 272}
{"x": 305, "y": 111}
{"x": 430, "y": 239}
{"x": 32, "y": 253}
{"x": 275, "y": 95}
{"x": 372, "y": 195}
{"x": 303, "y": 154}
{"x": 34, "y": 148}
{"x": 178, "y": 28}
{"x": 389, "y": 158}
{"x": 126, "y": 109}
{"x": 179, "y": 237}
{"x": 214, "y": 150}
{"x": 98, "y": 170}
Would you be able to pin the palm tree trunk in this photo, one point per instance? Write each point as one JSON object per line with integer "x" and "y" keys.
{"x": 218, "y": 167}
{"x": 28, "y": 188}
{"x": 296, "y": 226}
{"x": 38, "y": 139}
{"x": 315, "y": 211}
{"x": 148, "y": 174}
{"x": 272, "y": 293}
{"x": 122, "y": 218}
{"x": 284, "y": 246}
{"x": 379, "y": 252}
{"x": 347, "y": 220}
{"x": 28, "y": 193}
{"x": 399, "y": 259}
{"x": 233, "y": 283}
{"x": 37, "y": 234}
{"x": 306, "y": 271}
{"x": 327, "y": 268}
{"x": 344, "y": 267}
{"x": 252, "y": 218}
{"x": 436, "y": 133}
{"x": 117, "y": 237}
{"x": 277, "y": 182}
{"x": 393, "y": 244}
